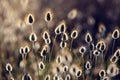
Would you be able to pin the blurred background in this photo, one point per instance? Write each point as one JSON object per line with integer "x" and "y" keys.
{"x": 14, "y": 33}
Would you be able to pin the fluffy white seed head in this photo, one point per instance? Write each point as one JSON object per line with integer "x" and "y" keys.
{"x": 68, "y": 77}
{"x": 8, "y": 67}
{"x": 117, "y": 53}
{"x": 101, "y": 45}
{"x": 88, "y": 37}
{"x": 57, "y": 69}
{"x": 78, "y": 72}
{"x": 64, "y": 37}
{"x": 46, "y": 35}
{"x": 96, "y": 53}
{"x": 98, "y": 45}
{"x": 27, "y": 49}
{"x": 74, "y": 34}
{"x": 59, "y": 59}
{"x": 57, "y": 30}
{"x": 65, "y": 68}
{"x": 33, "y": 37}
{"x": 21, "y": 50}
{"x": 56, "y": 77}
{"x": 73, "y": 69}
{"x": 48, "y": 15}
{"x": 88, "y": 65}
{"x": 47, "y": 77}
{"x": 29, "y": 19}
{"x": 63, "y": 44}
{"x": 48, "y": 41}
{"x": 66, "y": 58}
{"x": 113, "y": 59}
{"x": 41, "y": 65}
{"x": 82, "y": 49}
{"x": 112, "y": 70}
{"x": 44, "y": 51}
{"x": 102, "y": 73}
{"x": 116, "y": 34}
{"x": 62, "y": 26}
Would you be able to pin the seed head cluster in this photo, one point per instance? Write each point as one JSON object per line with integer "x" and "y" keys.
{"x": 57, "y": 51}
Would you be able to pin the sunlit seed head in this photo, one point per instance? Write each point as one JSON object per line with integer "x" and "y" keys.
{"x": 57, "y": 30}
{"x": 8, "y": 67}
{"x": 48, "y": 15}
{"x": 46, "y": 35}
{"x": 74, "y": 34}
{"x": 65, "y": 68}
{"x": 27, "y": 49}
{"x": 72, "y": 14}
{"x": 33, "y": 37}
{"x": 21, "y": 51}
{"x": 68, "y": 77}
{"x": 66, "y": 57}
{"x": 47, "y": 41}
{"x": 62, "y": 26}
{"x": 98, "y": 45}
{"x": 88, "y": 37}
{"x": 88, "y": 65}
{"x": 102, "y": 73}
{"x": 113, "y": 59}
{"x": 57, "y": 69}
{"x": 46, "y": 47}
{"x": 47, "y": 77}
{"x": 73, "y": 69}
{"x": 82, "y": 49}
{"x": 64, "y": 37}
{"x": 26, "y": 77}
{"x": 112, "y": 70}
{"x": 78, "y": 72}
{"x": 43, "y": 52}
{"x": 117, "y": 53}
{"x": 96, "y": 53}
{"x": 56, "y": 77}
{"x": 101, "y": 45}
{"x": 59, "y": 59}
{"x": 63, "y": 44}
{"x": 41, "y": 65}
{"x": 29, "y": 19}
{"x": 116, "y": 34}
